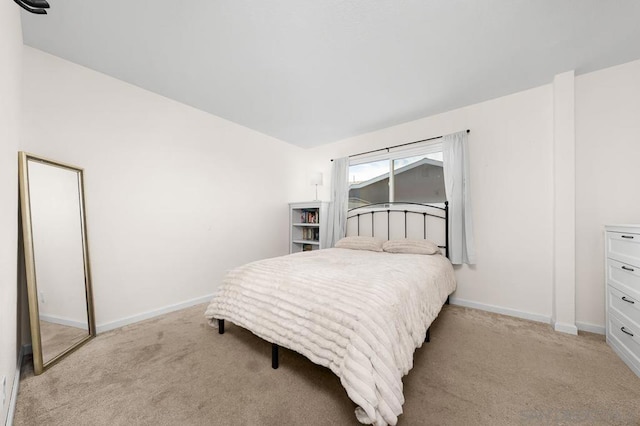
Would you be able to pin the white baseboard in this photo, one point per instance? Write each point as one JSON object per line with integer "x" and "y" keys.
{"x": 64, "y": 321}
{"x": 500, "y": 310}
{"x": 564, "y": 327}
{"x": 101, "y": 328}
{"x": 591, "y": 328}
{"x": 13, "y": 399}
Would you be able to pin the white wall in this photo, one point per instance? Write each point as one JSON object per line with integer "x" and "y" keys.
{"x": 10, "y": 65}
{"x": 511, "y": 144}
{"x": 607, "y": 174}
{"x": 175, "y": 197}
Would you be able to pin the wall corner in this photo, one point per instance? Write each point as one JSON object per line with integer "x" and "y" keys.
{"x": 564, "y": 204}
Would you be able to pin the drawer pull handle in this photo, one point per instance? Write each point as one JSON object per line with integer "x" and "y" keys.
{"x": 626, "y": 332}
{"x": 626, "y": 268}
{"x": 628, "y": 236}
{"x": 627, "y": 300}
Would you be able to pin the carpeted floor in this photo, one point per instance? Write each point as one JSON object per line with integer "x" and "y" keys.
{"x": 480, "y": 368}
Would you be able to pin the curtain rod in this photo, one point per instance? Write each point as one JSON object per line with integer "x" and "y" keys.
{"x": 398, "y": 146}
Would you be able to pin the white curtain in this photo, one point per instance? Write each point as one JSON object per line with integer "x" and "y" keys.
{"x": 458, "y": 189}
{"x": 336, "y": 226}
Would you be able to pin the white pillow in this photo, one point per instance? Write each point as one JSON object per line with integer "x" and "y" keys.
{"x": 410, "y": 246}
{"x": 360, "y": 243}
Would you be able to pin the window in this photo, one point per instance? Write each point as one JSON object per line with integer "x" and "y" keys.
{"x": 414, "y": 175}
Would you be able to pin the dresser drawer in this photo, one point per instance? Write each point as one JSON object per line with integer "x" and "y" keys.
{"x": 626, "y": 338}
{"x": 624, "y": 247}
{"x": 625, "y": 307}
{"x": 625, "y": 278}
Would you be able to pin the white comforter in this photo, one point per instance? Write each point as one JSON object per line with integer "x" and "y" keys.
{"x": 360, "y": 313}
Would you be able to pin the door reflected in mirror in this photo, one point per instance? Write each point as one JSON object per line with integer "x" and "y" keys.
{"x": 56, "y": 258}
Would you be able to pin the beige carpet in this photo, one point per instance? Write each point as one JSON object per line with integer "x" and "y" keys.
{"x": 480, "y": 368}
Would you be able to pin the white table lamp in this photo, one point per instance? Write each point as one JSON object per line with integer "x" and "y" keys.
{"x": 315, "y": 179}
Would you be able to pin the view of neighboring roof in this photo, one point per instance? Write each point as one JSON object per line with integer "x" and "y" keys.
{"x": 424, "y": 161}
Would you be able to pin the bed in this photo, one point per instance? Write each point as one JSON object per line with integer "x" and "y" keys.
{"x": 359, "y": 312}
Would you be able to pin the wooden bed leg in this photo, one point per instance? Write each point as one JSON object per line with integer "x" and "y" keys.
{"x": 221, "y": 326}
{"x": 427, "y": 338}
{"x": 447, "y": 302}
{"x": 274, "y": 356}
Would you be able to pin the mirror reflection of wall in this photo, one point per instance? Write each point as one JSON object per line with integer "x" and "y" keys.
{"x": 57, "y": 244}
{"x": 55, "y": 258}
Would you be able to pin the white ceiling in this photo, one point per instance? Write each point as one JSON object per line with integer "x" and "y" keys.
{"x": 311, "y": 72}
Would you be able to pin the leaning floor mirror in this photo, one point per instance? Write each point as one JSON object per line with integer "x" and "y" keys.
{"x": 56, "y": 258}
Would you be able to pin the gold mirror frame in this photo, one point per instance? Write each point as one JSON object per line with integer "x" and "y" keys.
{"x": 39, "y": 365}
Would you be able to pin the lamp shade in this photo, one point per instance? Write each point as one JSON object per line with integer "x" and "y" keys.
{"x": 315, "y": 178}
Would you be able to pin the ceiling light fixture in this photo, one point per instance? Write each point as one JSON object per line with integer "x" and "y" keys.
{"x": 34, "y": 6}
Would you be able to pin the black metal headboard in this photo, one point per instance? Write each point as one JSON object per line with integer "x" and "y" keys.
{"x": 399, "y": 211}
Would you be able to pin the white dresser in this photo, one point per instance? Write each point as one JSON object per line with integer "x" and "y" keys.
{"x": 622, "y": 251}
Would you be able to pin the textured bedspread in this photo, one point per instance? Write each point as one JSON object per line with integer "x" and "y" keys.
{"x": 360, "y": 313}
